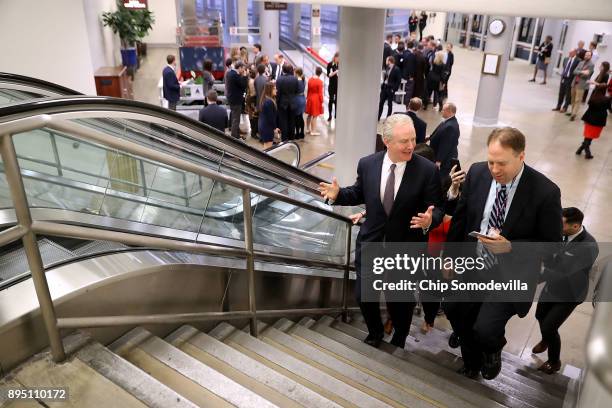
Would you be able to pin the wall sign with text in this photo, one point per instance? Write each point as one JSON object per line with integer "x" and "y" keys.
{"x": 271, "y": 5}
{"x": 135, "y": 4}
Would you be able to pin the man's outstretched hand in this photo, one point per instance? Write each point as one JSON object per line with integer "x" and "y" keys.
{"x": 329, "y": 191}
{"x": 422, "y": 220}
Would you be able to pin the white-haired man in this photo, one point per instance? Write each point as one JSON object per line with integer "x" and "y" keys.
{"x": 401, "y": 193}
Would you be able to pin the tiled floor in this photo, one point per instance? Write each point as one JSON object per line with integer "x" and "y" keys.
{"x": 551, "y": 142}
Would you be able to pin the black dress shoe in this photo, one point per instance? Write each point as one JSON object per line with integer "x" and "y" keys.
{"x": 468, "y": 372}
{"x": 453, "y": 340}
{"x": 491, "y": 366}
{"x": 550, "y": 368}
{"x": 398, "y": 342}
{"x": 539, "y": 348}
{"x": 373, "y": 341}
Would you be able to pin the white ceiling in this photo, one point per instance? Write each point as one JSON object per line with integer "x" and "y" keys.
{"x": 598, "y": 10}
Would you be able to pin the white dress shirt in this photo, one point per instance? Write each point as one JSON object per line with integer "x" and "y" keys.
{"x": 384, "y": 175}
{"x": 495, "y": 186}
{"x": 570, "y": 238}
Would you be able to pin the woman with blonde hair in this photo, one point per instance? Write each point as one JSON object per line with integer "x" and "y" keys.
{"x": 434, "y": 81}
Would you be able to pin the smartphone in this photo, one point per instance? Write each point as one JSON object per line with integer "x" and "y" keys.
{"x": 455, "y": 162}
{"x": 477, "y": 234}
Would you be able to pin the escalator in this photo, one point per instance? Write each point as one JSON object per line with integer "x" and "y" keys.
{"x": 19, "y": 88}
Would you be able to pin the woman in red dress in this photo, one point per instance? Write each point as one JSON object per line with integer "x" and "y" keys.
{"x": 314, "y": 101}
{"x": 595, "y": 116}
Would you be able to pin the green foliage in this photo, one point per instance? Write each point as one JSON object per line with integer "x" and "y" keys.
{"x": 131, "y": 25}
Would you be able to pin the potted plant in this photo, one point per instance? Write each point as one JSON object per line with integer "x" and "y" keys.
{"x": 131, "y": 25}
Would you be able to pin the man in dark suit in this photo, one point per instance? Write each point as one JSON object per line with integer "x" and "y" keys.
{"x": 420, "y": 126}
{"x": 401, "y": 193}
{"x": 510, "y": 202}
{"x": 387, "y": 50}
{"x": 391, "y": 82}
{"x": 286, "y": 89}
{"x": 172, "y": 88}
{"x": 236, "y": 84}
{"x": 214, "y": 115}
{"x": 420, "y": 72}
{"x": 408, "y": 71}
{"x": 567, "y": 78}
{"x": 445, "y": 138}
{"x": 567, "y": 283}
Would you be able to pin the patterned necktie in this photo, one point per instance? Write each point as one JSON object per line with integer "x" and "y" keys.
{"x": 498, "y": 213}
{"x": 388, "y": 196}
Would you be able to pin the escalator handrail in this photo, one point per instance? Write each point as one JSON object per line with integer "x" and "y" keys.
{"x": 45, "y": 119}
{"x": 55, "y": 89}
{"x": 317, "y": 160}
{"x": 230, "y": 145}
{"x": 284, "y": 144}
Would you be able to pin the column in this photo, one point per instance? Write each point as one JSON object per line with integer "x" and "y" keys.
{"x": 491, "y": 87}
{"x": 243, "y": 19}
{"x": 533, "y": 40}
{"x": 358, "y": 87}
{"x": 315, "y": 26}
{"x": 269, "y": 29}
{"x": 515, "y": 37}
{"x": 483, "y": 31}
{"x": 230, "y": 13}
{"x": 295, "y": 14}
{"x": 468, "y": 31}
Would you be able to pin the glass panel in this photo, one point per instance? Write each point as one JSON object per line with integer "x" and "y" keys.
{"x": 8, "y": 96}
{"x": 35, "y": 145}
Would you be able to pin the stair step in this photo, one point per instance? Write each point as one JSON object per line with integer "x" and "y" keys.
{"x": 397, "y": 377}
{"x": 521, "y": 366}
{"x": 133, "y": 380}
{"x": 183, "y": 373}
{"x": 436, "y": 342}
{"x": 288, "y": 365}
{"x": 317, "y": 356}
{"x": 86, "y": 387}
{"x": 416, "y": 365}
{"x": 533, "y": 393}
{"x": 6, "y": 384}
{"x": 204, "y": 347}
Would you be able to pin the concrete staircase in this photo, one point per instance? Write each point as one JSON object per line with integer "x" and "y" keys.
{"x": 311, "y": 363}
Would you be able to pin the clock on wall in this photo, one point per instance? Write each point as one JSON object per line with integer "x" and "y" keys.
{"x": 496, "y": 27}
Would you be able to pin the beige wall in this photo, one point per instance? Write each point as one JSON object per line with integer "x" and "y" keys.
{"x": 164, "y": 29}
{"x": 48, "y": 40}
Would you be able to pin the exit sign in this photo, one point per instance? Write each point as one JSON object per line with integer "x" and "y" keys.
{"x": 270, "y": 5}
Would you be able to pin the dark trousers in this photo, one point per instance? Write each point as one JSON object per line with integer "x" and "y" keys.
{"x": 299, "y": 126}
{"x": 551, "y": 316}
{"x": 433, "y": 87}
{"x": 481, "y": 328}
{"x": 333, "y": 101}
{"x": 172, "y": 105}
{"x": 565, "y": 95}
{"x": 400, "y": 313}
{"x": 235, "y": 112}
{"x": 386, "y": 95}
{"x": 431, "y": 311}
{"x": 286, "y": 121}
{"x": 254, "y": 126}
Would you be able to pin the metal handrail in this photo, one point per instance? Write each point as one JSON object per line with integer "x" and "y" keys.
{"x": 27, "y": 229}
{"x": 198, "y": 134}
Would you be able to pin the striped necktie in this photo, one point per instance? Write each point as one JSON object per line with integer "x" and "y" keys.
{"x": 496, "y": 221}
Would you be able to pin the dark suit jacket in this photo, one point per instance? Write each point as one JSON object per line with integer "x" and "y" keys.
{"x": 420, "y": 126}
{"x": 567, "y": 272}
{"x": 286, "y": 89}
{"x": 214, "y": 115}
{"x": 394, "y": 79}
{"x": 387, "y": 52}
{"x": 275, "y": 67}
{"x": 444, "y": 141}
{"x": 172, "y": 88}
{"x": 236, "y": 85}
{"x": 450, "y": 60}
{"x": 571, "y": 69}
{"x": 419, "y": 188}
{"x": 534, "y": 216}
{"x": 419, "y": 77}
{"x": 409, "y": 66}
